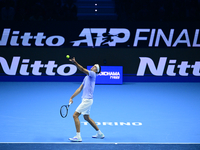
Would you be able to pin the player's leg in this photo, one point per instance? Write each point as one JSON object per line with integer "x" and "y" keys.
{"x": 76, "y": 115}
{"x": 93, "y": 124}
{"x": 76, "y": 138}
{"x": 76, "y": 121}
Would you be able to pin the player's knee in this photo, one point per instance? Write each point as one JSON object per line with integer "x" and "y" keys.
{"x": 75, "y": 115}
{"x": 86, "y": 117}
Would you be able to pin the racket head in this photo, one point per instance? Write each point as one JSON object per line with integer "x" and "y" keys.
{"x": 64, "y": 110}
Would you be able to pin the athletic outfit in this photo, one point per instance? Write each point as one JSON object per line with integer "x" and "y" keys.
{"x": 87, "y": 97}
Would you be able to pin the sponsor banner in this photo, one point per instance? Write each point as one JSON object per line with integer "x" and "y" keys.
{"x": 51, "y": 64}
{"x": 109, "y": 75}
{"x": 22, "y": 64}
{"x": 99, "y": 34}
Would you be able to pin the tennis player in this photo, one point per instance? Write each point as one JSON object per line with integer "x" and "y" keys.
{"x": 87, "y": 86}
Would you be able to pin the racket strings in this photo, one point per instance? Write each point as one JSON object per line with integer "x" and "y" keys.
{"x": 64, "y": 111}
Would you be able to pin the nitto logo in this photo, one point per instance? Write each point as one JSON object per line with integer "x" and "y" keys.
{"x": 170, "y": 67}
{"x": 27, "y": 39}
{"x": 51, "y": 68}
{"x": 103, "y": 36}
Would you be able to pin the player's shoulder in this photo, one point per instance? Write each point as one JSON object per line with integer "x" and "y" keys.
{"x": 92, "y": 73}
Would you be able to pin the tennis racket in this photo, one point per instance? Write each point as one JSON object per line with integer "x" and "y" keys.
{"x": 64, "y": 110}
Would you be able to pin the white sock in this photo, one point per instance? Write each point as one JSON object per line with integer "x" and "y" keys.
{"x": 99, "y": 132}
{"x": 78, "y": 134}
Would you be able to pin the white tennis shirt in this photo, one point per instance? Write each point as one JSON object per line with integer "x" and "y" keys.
{"x": 88, "y": 85}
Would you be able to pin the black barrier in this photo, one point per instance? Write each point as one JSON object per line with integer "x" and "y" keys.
{"x": 37, "y": 51}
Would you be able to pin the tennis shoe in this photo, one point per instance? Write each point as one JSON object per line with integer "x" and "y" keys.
{"x": 98, "y": 136}
{"x": 75, "y": 139}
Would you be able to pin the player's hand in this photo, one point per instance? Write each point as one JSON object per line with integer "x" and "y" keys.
{"x": 72, "y": 60}
{"x": 70, "y": 100}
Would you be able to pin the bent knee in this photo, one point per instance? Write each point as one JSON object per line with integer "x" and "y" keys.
{"x": 76, "y": 115}
{"x": 86, "y": 117}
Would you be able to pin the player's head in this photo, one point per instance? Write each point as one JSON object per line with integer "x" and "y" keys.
{"x": 96, "y": 68}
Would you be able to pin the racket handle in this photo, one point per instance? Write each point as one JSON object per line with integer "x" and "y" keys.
{"x": 70, "y": 103}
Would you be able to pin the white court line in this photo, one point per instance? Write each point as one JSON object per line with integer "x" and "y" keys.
{"x": 89, "y": 143}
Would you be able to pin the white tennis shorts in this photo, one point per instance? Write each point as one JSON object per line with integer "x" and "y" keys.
{"x": 84, "y": 107}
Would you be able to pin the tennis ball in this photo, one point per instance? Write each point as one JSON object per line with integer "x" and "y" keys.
{"x": 67, "y": 56}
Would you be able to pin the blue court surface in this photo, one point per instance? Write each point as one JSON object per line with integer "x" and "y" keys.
{"x": 132, "y": 113}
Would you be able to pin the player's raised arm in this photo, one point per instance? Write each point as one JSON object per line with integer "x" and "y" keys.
{"x": 79, "y": 66}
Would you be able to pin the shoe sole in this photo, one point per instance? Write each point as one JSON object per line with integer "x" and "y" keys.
{"x": 98, "y": 137}
{"x": 74, "y": 141}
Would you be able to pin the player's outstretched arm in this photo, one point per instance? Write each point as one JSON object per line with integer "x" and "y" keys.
{"x": 79, "y": 66}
